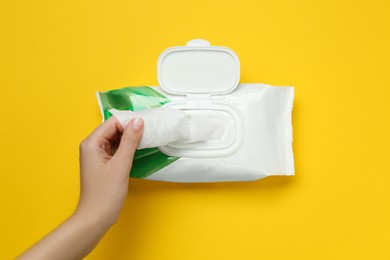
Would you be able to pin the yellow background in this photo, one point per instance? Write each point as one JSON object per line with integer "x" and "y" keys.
{"x": 56, "y": 54}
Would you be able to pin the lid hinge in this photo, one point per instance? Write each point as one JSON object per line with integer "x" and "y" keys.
{"x": 198, "y": 100}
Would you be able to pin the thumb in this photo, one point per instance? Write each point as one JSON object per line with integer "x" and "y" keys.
{"x": 130, "y": 140}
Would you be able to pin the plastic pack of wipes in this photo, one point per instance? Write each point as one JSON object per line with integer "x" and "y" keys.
{"x": 201, "y": 125}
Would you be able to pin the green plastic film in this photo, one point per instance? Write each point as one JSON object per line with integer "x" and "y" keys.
{"x": 146, "y": 161}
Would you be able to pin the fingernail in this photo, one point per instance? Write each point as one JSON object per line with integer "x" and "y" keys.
{"x": 136, "y": 124}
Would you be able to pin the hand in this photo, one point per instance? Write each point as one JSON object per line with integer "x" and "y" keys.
{"x": 105, "y": 168}
{"x": 106, "y": 158}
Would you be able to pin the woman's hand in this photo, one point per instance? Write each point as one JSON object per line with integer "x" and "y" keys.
{"x": 106, "y": 157}
{"x": 105, "y": 175}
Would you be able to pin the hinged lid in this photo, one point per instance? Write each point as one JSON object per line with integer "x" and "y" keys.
{"x": 198, "y": 68}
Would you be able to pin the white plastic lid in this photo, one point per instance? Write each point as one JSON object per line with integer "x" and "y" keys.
{"x": 198, "y": 68}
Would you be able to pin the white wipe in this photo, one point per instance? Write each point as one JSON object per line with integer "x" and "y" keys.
{"x": 165, "y": 125}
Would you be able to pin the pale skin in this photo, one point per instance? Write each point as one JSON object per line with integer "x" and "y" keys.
{"x": 106, "y": 157}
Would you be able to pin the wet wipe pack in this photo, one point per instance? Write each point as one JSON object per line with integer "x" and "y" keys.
{"x": 201, "y": 124}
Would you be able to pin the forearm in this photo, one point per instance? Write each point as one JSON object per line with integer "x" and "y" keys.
{"x": 104, "y": 185}
{"x": 73, "y": 239}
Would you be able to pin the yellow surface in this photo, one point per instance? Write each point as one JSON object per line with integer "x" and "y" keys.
{"x": 56, "y": 54}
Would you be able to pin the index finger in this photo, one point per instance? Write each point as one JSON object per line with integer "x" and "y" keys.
{"x": 108, "y": 130}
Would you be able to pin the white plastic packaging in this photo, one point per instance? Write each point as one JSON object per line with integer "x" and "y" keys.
{"x": 265, "y": 148}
